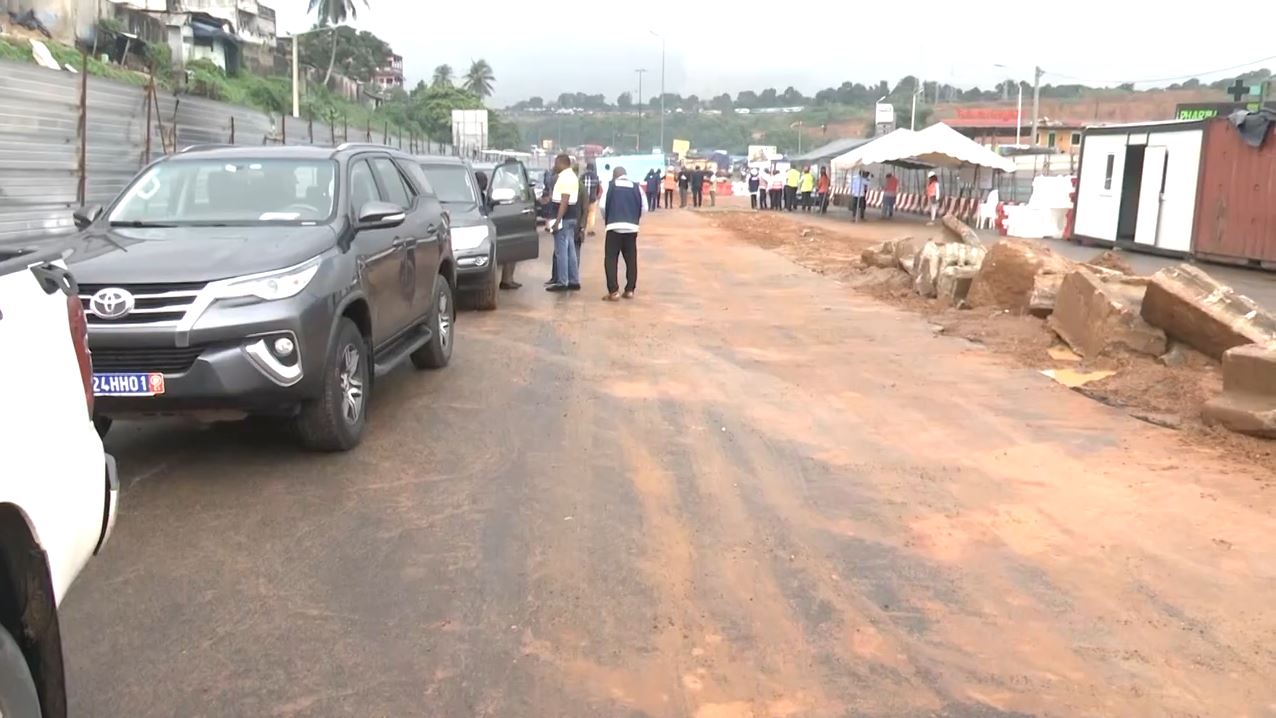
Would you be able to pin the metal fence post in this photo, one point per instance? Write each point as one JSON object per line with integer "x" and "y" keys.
{"x": 232, "y": 129}
{"x": 310, "y": 128}
{"x": 81, "y": 161}
{"x": 283, "y": 123}
{"x": 150, "y": 94}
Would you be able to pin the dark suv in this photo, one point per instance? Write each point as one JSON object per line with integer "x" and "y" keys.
{"x": 489, "y": 227}
{"x": 278, "y": 281}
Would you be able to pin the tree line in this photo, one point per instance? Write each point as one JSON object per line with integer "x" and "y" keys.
{"x": 848, "y": 93}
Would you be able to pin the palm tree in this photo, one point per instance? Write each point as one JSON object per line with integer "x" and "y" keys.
{"x": 480, "y": 78}
{"x": 442, "y": 76}
{"x": 331, "y": 13}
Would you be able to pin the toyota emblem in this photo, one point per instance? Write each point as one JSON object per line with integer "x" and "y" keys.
{"x": 111, "y": 303}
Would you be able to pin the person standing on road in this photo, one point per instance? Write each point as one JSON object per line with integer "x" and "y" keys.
{"x": 859, "y": 187}
{"x": 806, "y": 185}
{"x": 566, "y": 196}
{"x": 777, "y": 190}
{"x": 713, "y": 189}
{"x": 932, "y": 195}
{"x": 764, "y": 187}
{"x": 791, "y": 180}
{"x": 684, "y": 186}
{"x": 653, "y": 190}
{"x": 590, "y": 188}
{"x": 621, "y": 214}
{"x": 822, "y": 190}
{"x": 890, "y": 190}
{"x": 755, "y": 180}
{"x": 697, "y": 186}
{"x": 669, "y": 184}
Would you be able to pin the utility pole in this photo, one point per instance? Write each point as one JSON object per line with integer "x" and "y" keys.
{"x": 662, "y": 89}
{"x": 1036, "y": 100}
{"x": 638, "y": 133}
{"x": 296, "y": 89}
{"x": 916, "y": 91}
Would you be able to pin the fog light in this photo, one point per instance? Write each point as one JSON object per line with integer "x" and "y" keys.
{"x": 481, "y": 262}
{"x": 283, "y": 346}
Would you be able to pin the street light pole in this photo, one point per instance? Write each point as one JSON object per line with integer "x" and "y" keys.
{"x": 662, "y": 89}
{"x": 1019, "y": 114}
{"x": 1036, "y": 100}
{"x": 638, "y": 134}
{"x": 296, "y": 90}
{"x": 916, "y": 90}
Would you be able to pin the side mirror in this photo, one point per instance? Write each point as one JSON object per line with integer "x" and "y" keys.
{"x": 378, "y": 215}
{"x": 85, "y": 216}
{"x": 503, "y": 195}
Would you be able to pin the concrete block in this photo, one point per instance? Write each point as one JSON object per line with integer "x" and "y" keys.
{"x": 1045, "y": 287}
{"x": 1248, "y": 402}
{"x": 1008, "y": 274}
{"x": 1196, "y": 309}
{"x": 933, "y": 258}
{"x": 1095, "y": 317}
{"x": 954, "y": 284}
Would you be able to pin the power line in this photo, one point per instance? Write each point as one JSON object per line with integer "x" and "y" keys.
{"x": 1165, "y": 79}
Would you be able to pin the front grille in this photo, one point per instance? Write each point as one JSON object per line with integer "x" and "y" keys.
{"x": 153, "y": 303}
{"x": 168, "y": 360}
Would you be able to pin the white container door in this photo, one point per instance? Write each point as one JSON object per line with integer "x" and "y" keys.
{"x": 1151, "y": 194}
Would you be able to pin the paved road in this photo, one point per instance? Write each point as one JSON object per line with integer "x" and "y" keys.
{"x": 751, "y": 492}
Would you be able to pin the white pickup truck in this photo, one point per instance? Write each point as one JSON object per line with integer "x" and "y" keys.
{"x": 58, "y": 488}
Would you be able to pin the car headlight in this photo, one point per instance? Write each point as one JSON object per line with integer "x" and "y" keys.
{"x": 269, "y": 286}
{"x": 468, "y": 237}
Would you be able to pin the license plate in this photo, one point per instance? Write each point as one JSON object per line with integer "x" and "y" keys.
{"x": 128, "y": 384}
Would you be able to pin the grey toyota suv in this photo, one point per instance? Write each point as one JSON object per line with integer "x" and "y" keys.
{"x": 276, "y": 281}
{"x": 489, "y": 227}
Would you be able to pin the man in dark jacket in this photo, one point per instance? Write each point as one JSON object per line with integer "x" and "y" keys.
{"x": 653, "y": 190}
{"x": 697, "y": 187}
{"x": 684, "y": 186}
{"x": 622, "y": 210}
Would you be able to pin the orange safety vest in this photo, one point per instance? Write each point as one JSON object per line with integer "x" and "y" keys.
{"x": 671, "y": 181}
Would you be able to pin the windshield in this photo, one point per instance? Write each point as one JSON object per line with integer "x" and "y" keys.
{"x": 220, "y": 191}
{"x": 452, "y": 183}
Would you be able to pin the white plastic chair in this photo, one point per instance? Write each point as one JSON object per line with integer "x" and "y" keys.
{"x": 988, "y": 211}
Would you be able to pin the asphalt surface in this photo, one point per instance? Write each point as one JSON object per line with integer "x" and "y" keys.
{"x": 749, "y": 492}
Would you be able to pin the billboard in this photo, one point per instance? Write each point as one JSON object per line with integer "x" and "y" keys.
{"x": 469, "y": 130}
{"x": 681, "y": 148}
{"x": 762, "y": 153}
{"x": 884, "y": 114}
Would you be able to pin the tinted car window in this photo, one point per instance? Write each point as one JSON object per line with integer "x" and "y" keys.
{"x": 363, "y": 189}
{"x": 229, "y": 191}
{"x": 392, "y": 182}
{"x": 452, "y": 183}
{"x": 511, "y": 176}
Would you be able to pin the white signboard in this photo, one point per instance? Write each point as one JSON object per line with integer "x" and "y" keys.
{"x": 469, "y": 129}
{"x": 762, "y": 153}
{"x": 885, "y": 114}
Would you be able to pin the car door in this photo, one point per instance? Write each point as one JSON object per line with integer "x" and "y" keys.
{"x": 516, "y": 236}
{"x": 418, "y": 237}
{"x": 379, "y": 253}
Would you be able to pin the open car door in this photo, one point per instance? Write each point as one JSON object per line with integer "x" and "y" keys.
{"x": 513, "y": 211}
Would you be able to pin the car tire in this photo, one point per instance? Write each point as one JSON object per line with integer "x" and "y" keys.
{"x": 486, "y": 298}
{"x": 438, "y": 351}
{"x": 336, "y": 419}
{"x": 103, "y": 425}
{"x": 18, "y": 697}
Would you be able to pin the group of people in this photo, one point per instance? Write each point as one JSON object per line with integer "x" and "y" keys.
{"x": 568, "y": 199}
{"x": 695, "y": 182}
{"x": 790, "y": 189}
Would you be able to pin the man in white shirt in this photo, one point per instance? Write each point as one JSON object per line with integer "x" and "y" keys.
{"x": 566, "y": 199}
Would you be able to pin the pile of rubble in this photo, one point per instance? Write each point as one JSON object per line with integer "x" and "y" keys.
{"x": 1100, "y": 311}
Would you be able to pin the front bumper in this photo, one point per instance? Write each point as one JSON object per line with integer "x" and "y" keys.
{"x": 228, "y": 365}
{"x": 474, "y": 266}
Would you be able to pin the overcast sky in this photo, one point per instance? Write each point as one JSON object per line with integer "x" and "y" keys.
{"x": 728, "y": 46}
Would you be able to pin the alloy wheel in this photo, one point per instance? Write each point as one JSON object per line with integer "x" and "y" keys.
{"x": 351, "y": 381}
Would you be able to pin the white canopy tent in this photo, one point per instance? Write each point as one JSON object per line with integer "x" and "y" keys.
{"x": 938, "y": 146}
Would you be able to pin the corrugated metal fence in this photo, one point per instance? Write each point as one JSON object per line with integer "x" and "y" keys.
{"x": 44, "y": 175}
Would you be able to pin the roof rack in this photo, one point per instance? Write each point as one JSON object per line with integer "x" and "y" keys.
{"x": 206, "y": 146}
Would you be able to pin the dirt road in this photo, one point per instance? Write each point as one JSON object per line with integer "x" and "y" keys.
{"x": 751, "y": 492}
